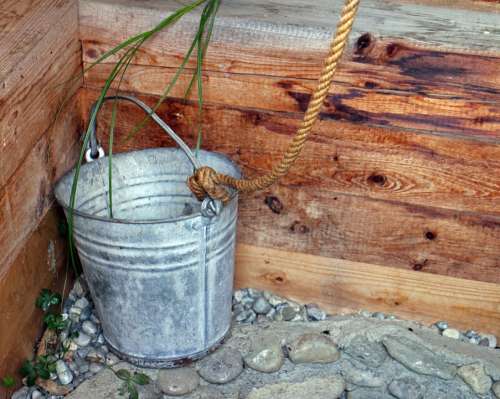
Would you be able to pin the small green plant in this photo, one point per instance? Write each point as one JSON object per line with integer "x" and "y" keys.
{"x": 41, "y": 367}
{"x": 130, "y": 382}
{"x": 55, "y": 321}
{"x": 47, "y": 298}
{"x": 8, "y": 382}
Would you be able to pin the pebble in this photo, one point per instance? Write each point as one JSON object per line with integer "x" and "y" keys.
{"x": 378, "y": 315}
{"x": 238, "y": 296}
{"x": 406, "y": 388}
{"x": 274, "y": 300}
{"x": 491, "y": 340}
{"x": 63, "y": 373}
{"x": 418, "y": 358}
{"x": 95, "y": 356}
{"x": 82, "y": 339}
{"x": 313, "y": 348}
{"x": 261, "y": 306}
{"x": 266, "y": 359}
{"x": 471, "y": 333}
{"x": 442, "y": 325}
{"x": 36, "y": 394}
{"x": 178, "y": 382}
{"x": 314, "y": 313}
{"x": 496, "y": 389}
{"x": 373, "y": 354}
{"x": 451, "y": 333}
{"x": 271, "y": 314}
{"x": 21, "y": 393}
{"x": 100, "y": 339}
{"x": 221, "y": 366}
{"x": 313, "y": 388}
{"x": 475, "y": 376}
{"x": 81, "y": 303}
{"x": 286, "y": 312}
{"x": 247, "y": 316}
{"x": 89, "y": 328}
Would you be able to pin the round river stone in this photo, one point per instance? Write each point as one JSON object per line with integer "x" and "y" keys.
{"x": 313, "y": 348}
{"x": 222, "y": 366}
{"x": 266, "y": 359}
{"x": 178, "y": 382}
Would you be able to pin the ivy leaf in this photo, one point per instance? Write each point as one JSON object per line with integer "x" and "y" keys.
{"x": 8, "y": 381}
{"x": 47, "y": 298}
{"x": 141, "y": 379}
{"x": 43, "y": 373}
{"x": 28, "y": 370}
{"x": 55, "y": 322}
{"x": 123, "y": 374}
{"x": 132, "y": 391}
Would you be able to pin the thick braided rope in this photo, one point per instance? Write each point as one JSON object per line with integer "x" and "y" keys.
{"x": 206, "y": 181}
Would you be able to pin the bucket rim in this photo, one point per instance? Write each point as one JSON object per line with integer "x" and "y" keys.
{"x": 76, "y": 212}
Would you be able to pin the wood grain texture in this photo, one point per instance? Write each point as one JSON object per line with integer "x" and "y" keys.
{"x": 27, "y": 196}
{"x": 40, "y": 263}
{"x": 365, "y": 194}
{"x": 40, "y": 56}
{"x": 295, "y": 25}
{"x": 344, "y": 286}
{"x": 392, "y": 109}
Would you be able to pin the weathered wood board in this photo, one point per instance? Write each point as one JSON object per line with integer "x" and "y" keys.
{"x": 40, "y": 264}
{"x": 39, "y": 56}
{"x": 402, "y": 199}
{"x": 345, "y": 286}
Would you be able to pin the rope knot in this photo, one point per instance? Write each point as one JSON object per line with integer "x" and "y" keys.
{"x": 205, "y": 182}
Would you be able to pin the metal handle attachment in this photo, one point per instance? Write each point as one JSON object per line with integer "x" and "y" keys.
{"x": 209, "y": 207}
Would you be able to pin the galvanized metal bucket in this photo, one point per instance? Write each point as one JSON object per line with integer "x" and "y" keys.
{"x": 160, "y": 271}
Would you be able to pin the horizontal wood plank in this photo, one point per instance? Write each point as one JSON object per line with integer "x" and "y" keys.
{"x": 36, "y": 85}
{"x": 291, "y": 25}
{"x": 342, "y": 286}
{"x": 370, "y": 195}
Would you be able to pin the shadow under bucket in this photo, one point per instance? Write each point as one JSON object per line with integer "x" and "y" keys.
{"x": 161, "y": 270}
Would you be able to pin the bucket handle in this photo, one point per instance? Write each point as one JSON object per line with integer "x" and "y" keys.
{"x": 209, "y": 207}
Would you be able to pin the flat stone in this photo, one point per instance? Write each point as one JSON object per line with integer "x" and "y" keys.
{"x": 95, "y": 367}
{"x": 439, "y": 390}
{"x": 361, "y": 378}
{"x": 313, "y": 388}
{"x": 372, "y": 354}
{"x": 496, "y": 389}
{"x": 418, "y": 358}
{"x": 105, "y": 385}
{"x": 368, "y": 393}
{"x": 178, "y": 382}
{"x": 267, "y": 358}
{"x": 261, "y": 306}
{"x": 406, "y": 388}
{"x": 475, "y": 377}
{"x": 221, "y": 366}
{"x": 286, "y": 312}
{"x": 313, "y": 348}
{"x": 274, "y": 300}
{"x": 451, "y": 333}
{"x": 63, "y": 372}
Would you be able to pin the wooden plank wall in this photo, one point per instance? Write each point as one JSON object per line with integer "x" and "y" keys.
{"x": 402, "y": 172}
{"x": 39, "y": 53}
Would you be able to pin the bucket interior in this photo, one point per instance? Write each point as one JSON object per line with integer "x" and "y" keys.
{"x": 146, "y": 185}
